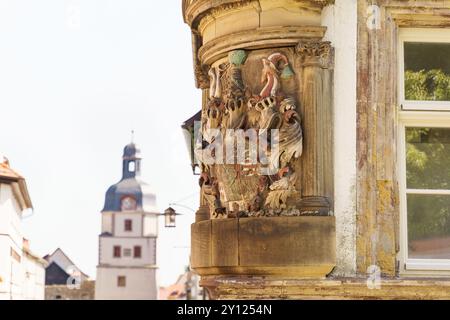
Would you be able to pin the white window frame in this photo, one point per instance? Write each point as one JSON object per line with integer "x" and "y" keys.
{"x": 427, "y": 120}
{"x": 417, "y": 114}
{"x": 419, "y": 35}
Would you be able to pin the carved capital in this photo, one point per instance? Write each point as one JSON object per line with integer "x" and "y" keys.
{"x": 315, "y": 53}
{"x": 314, "y": 48}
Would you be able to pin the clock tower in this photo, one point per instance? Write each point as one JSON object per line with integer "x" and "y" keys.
{"x": 127, "y": 243}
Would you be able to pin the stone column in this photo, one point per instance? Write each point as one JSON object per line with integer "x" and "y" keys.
{"x": 316, "y": 110}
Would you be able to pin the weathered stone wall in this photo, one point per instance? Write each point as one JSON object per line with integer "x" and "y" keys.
{"x": 377, "y": 237}
{"x": 63, "y": 292}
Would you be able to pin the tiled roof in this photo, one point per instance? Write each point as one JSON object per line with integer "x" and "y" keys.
{"x": 49, "y": 258}
{"x": 7, "y": 172}
{"x": 18, "y": 184}
{"x": 34, "y": 257}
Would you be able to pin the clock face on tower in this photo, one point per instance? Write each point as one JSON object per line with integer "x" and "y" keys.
{"x": 128, "y": 204}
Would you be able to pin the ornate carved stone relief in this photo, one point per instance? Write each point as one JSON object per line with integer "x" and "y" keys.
{"x": 251, "y": 95}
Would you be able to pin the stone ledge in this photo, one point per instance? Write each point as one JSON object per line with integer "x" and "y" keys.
{"x": 333, "y": 288}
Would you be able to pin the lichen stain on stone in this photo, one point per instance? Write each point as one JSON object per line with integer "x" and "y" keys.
{"x": 386, "y": 262}
{"x": 385, "y": 197}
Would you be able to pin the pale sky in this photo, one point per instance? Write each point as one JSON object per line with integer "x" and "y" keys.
{"x": 76, "y": 76}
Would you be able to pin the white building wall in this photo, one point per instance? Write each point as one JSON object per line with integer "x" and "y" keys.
{"x": 16, "y": 279}
{"x": 341, "y": 19}
{"x": 5, "y": 268}
{"x": 11, "y": 271}
{"x": 34, "y": 281}
{"x": 148, "y": 248}
{"x": 139, "y": 272}
{"x": 107, "y": 222}
{"x": 119, "y": 224}
{"x": 10, "y": 215}
{"x": 140, "y": 284}
{"x": 150, "y": 225}
{"x": 21, "y": 279}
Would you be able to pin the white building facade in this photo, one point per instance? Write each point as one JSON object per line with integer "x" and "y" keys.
{"x": 127, "y": 243}
{"x": 22, "y": 274}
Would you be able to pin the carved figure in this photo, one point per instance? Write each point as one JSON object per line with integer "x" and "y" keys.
{"x": 210, "y": 191}
{"x": 290, "y": 135}
{"x": 244, "y": 190}
{"x": 271, "y": 74}
{"x": 215, "y": 90}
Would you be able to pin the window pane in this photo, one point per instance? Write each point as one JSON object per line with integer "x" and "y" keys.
{"x": 427, "y": 71}
{"x": 428, "y": 226}
{"x": 121, "y": 281}
{"x": 137, "y": 251}
{"x": 128, "y": 225}
{"x": 428, "y": 158}
{"x": 127, "y": 252}
{"x": 117, "y": 250}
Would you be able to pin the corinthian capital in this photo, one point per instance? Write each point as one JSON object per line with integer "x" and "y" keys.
{"x": 314, "y": 48}
{"x": 315, "y": 52}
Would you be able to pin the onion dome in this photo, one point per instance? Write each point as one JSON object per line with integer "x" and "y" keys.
{"x": 130, "y": 193}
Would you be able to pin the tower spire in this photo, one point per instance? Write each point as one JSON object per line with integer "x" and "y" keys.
{"x": 131, "y": 161}
{"x": 132, "y": 136}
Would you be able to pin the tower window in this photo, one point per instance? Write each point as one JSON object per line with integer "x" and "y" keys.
{"x": 128, "y": 225}
{"x": 121, "y": 281}
{"x": 131, "y": 166}
{"x": 137, "y": 251}
{"x": 117, "y": 251}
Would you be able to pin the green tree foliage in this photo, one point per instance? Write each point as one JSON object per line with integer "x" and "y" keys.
{"x": 428, "y": 167}
{"x": 427, "y": 85}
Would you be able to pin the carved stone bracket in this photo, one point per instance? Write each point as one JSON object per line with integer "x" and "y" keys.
{"x": 265, "y": 144}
